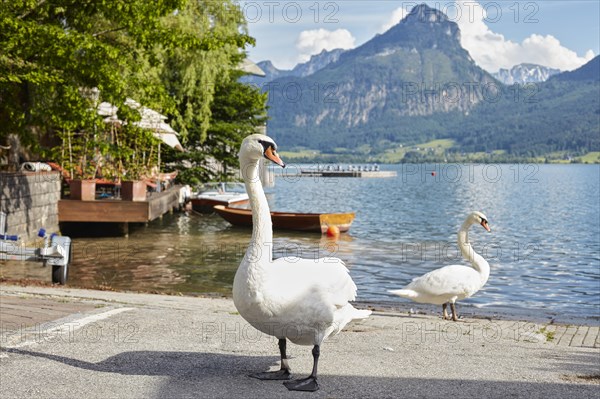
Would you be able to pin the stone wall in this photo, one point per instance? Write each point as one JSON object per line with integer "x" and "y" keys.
{"x": 30, "y": 201}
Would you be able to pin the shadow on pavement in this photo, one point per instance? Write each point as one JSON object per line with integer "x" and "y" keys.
{"x": 197, "y": 374}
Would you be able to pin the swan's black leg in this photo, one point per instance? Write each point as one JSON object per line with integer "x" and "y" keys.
{"x": 283, "y": 353}
{"x": 281, "y": 374}
{"x": 445, "y": 310}
{"x": 309, "y": 383}
{"x": 454, "y": 314}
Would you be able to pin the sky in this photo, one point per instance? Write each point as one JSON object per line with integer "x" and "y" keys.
{"x": 560, "y": 34}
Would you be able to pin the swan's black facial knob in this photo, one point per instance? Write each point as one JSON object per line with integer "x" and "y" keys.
{"x": 270, "y": 152}
{"x": 266, "y": 144}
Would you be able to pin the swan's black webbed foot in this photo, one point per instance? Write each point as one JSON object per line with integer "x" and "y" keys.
{"x": 282, "y": 374}
{"x": 308, "y": 384}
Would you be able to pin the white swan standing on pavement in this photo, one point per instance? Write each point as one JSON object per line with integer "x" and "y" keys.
{"x": 452, "y": 283}
{"x": 303, "y": 300}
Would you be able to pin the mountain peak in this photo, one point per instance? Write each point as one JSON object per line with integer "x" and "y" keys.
{"x": 424, "y": 28}
{"x": 323, "y": 54}
{"x": 317, "y": 62}
{"x": 423, "y": 13}
{"x": 525, "y": 73}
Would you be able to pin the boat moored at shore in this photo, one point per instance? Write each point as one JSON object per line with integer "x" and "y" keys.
{"x": 315, "y": 222}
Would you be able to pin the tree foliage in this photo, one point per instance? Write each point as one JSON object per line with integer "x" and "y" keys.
{"x": 53, "y": 49}
{"x": 238, "y": 110}
{"x": 169, "y": 55}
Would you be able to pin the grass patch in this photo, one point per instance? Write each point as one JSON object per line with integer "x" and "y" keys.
{"x": 441, "y": 144}
{"x": 564, "y": 157}
{"x": 301, "y": 154}
{"x": 434, "y": 147}
{"x": 548, "y": 334}
{"x": 590, "y": 157}
{"x": 440, "y": 150}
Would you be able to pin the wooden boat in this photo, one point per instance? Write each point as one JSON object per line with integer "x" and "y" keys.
{"x": 219, "y": 194}
{"x": 205, "y": 203}
{"x": 317, "y": 222}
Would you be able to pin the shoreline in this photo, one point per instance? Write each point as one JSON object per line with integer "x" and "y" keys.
{"x": 333, "y": 159}
{"x": 465, "y": 310}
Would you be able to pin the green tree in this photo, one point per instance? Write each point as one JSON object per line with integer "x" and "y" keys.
{"x": 53, "y": 49}
{"x": 237, "y": 110}
{"x": 167, "y": 54}
{"x": 215, "y": 33}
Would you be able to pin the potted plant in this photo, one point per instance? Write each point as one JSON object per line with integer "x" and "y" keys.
{"x": 82, "y": 148}
{"x": 119, "y": 151}
{"x": 136, "y": 150}
{"x": 80, "y": 160}
{"x": 133, "y": 187}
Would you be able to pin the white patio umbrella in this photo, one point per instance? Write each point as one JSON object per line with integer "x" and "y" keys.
{"x": 108, "y": 110}
{"x": 151, "y": 120}
{"x": 155, "y": 121}
{"x": 171, "y": 140}
{"x": 250, "y": 67}
{"x": 162, "y": 131}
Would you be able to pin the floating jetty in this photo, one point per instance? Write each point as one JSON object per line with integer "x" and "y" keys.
{"x": 333, "y": 170}
{"x": 342, "y": 173}
{"x": 347, "y": 173}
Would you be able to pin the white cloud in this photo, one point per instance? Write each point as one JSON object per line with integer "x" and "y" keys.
{"x": 489, "y": 49}
{"x": 492, "y": 50}
{"x": 314, "y": 41}
{"x": 397, "y": 15}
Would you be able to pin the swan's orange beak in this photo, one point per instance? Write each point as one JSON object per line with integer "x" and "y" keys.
{"x": 485, "y": 225}
{"x": 271, "y": 155}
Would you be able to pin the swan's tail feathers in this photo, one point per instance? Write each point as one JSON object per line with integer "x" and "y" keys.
{"x": 361, "y": 314}
{"x": 404, "y": 293}
{"x": 345, "y": 315}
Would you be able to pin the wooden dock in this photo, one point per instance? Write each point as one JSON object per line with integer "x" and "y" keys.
{"x": 118, "y": 211}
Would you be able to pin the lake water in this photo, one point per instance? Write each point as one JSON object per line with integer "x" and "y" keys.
{"x": 544, "y": 249}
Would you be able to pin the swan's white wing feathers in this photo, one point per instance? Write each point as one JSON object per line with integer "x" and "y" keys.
{"x": 311, "y": 294}
{"x": 292, "y": 278}
{"x": 449, "y": 280}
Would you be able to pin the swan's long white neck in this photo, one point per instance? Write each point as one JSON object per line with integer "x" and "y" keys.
{"x": 260, "y": 250}
{"x": 469, "y": 253}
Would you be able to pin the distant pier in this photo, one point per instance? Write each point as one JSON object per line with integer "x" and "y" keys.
{"x": 339, "y": 171}
{"x": 347, "y": 173}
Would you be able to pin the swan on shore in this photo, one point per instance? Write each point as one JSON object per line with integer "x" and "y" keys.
{"x": 301, "y": 300}
{"x": 451, "y": 283}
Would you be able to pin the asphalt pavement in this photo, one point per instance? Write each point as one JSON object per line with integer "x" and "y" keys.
{"x": 100, "y": 344}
